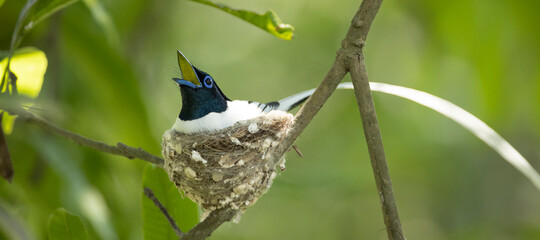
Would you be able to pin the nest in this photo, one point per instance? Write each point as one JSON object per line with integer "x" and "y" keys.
{"x": 228, "y": 168}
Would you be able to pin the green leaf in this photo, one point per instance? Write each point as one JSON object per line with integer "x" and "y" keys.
{"x": 65, "y": 226}
{"x": 21, "y": 21}
{"x": 2, "y": 2}
{"x": 269, "y": 21}
{"x": 29, "y": 65}
{"x": 480, "y": 129}
{"x": 32, "y": 13}
{"x": 43, "y": 9}
{"x": 182, "y": 210}
{"x": 16, "y": 38}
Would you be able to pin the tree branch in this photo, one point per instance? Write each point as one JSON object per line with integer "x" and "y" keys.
{"x": 375, "y": 147}
{"x": 358, "y": 31}
{"x": 150, "y": 194}
{"x": 120, "y": 148}
{"x": 205, "y": 228}
{"x": 350, "y": 58}
{"x": 350, "y": 46}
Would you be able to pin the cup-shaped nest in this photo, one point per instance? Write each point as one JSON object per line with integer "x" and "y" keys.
{"x": 227, "y": 168}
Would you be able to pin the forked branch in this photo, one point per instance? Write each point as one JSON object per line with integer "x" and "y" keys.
{"x": 349, "y": 59}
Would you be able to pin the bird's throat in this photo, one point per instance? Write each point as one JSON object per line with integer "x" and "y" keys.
{"x": 199, "y": 103}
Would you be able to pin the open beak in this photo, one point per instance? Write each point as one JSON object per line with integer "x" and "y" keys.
{"x": 189, "y": 77}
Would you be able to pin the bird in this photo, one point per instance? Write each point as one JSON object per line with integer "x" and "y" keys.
{"x": 206, "y": 108}
{"x": 217, "y": 166}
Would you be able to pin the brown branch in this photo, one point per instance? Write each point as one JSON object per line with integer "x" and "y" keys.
{"x": 205, "y": 228}
{"x": 375, "y": 147}
{"x": 350, "y": 46}
{"x": 350, "y": 58}
{"x": 357, "y": 67}
{"x": 120, "y": 148}
{"x": 312, "y": 106}
{"x": 150, "y": 194}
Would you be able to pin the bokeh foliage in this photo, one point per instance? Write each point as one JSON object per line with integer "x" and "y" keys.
{"x": 482, "y": 55}
{"x": 65, "y": 226}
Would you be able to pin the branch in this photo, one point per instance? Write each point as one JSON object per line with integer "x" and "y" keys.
{"x": 150, "y": 194}
{"x": 205, "y": 228}
{"x": 351, "y": 45}
{"x": 120, "y": 148}
{"x": 357, "y": 67}
{"x": 350, "y": 58}
{"x": 375, "y": 147}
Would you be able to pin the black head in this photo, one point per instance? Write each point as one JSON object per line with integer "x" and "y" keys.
{"x": 200, "y": 93}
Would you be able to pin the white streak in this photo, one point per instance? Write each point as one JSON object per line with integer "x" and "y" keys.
{"x": 466, "y": 120}
{"x": 252, "y": 128}
{"x": 196, "y": 156}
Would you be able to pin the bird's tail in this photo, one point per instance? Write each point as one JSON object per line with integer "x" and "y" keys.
{"x": 293, "y": 101}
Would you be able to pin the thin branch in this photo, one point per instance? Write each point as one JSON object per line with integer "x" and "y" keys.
{"x": 205, "y": 228}
{"x": 375, "y": 147}
{"x": 351, "y": 45}
{"x": 357, "y": 67}
{"x": 150, "y": 194}
{"x": 120, "y": 148}
{"x": 312, "y": 106}
{"x": 350, "y": 58}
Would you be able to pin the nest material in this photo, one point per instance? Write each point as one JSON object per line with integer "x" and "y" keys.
{"x": 228, "y": 168}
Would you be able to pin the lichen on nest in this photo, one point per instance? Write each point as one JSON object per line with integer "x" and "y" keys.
{"x": 228, "y": 168}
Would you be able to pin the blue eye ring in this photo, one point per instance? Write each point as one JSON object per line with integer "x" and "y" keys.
{"x": 208, "y": 82}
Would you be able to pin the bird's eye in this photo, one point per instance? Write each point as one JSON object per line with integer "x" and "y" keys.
{"x": 208, "y": 82}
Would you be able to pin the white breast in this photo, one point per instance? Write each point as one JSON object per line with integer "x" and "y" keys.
{"x": 236, "y": 111}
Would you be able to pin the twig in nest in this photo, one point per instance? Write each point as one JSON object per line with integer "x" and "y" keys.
{"x": 297, "y": 151}
{"x": 150, "y": 194}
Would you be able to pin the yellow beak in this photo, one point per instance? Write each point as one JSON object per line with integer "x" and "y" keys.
{"x": 187, "y": 70}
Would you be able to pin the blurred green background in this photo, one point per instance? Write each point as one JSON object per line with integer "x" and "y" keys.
{"x": 482, "y": 55}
